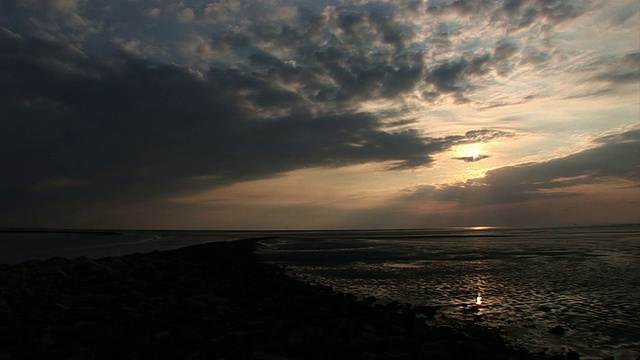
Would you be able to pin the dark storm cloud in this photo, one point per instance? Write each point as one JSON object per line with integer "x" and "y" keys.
{"x": 78, "y": 130}
{"x": 456, "y": 76}
{"x": 363, "y": 77}
{"x": 356, "y": 52}
{"x": 615, "y": 158}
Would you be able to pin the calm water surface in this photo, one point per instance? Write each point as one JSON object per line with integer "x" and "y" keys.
{"x": 525, "y": 281}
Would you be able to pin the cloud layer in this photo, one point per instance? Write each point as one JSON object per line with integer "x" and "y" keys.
{"x": 614, "y": 157}
{"x": 137, "y": 128}
{"x": 126, "y": 102}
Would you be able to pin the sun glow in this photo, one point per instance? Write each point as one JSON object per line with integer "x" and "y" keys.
{"x": 470, "y": 152}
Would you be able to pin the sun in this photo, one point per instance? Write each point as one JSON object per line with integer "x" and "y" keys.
{"x": 475, "y": 154}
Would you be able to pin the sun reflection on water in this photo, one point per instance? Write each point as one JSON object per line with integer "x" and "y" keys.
{"x": 481, "y": 227}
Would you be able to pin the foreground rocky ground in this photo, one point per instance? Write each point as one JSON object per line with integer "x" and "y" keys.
{"x": 211, "y": 301}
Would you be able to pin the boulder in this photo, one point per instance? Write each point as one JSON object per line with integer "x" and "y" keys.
{"x": 557, "y": 330}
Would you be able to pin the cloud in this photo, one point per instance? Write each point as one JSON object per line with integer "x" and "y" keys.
{"x": 58, "y": 183}
{"x": 518, "y": 13}
{"x": 625, "y": 70}
{"x": 477, "y": 136}
{"x": 455, "y": 76}
{"x": 135, "y": 99}
{"x": 472, "y": 158}
{"x": 622, "y": 14}
{"x": 345, "y": 53}
{"x": 141, "y": 130}
{"x": 186, "y": 15}
{"x": 614, "y": 158}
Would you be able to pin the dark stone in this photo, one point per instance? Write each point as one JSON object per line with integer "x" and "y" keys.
{"x": 557, "y": 330}
{"x": 334, "y": 348}
{"x": 164, "y": 348}
{"x": 557, "y": 357}
{"x": 190, "y": 338}
{"x": 573, "y": 355}
{"x": 427, "y": 311}
{"x": 370, "y": 300}
{"x": 273, "y": 348}
{"x": 212, "y": 349}
{"x": 83, "y": 354}
{"x": 434, "y": 351}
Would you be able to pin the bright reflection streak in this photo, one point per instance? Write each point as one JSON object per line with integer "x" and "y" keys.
{"x": 482, "y": 227}
{"x": 479, "y": 299}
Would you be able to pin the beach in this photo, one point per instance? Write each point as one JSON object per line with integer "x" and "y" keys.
{"x": 213, "y": 301}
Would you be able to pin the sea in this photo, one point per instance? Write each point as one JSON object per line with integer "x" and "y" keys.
{"x": 522, "y": 281}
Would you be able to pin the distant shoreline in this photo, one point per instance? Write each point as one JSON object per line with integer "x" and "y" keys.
{"x": 118, "y": 231}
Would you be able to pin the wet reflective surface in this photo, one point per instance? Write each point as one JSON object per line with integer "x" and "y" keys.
{"x": 525, "y": 281}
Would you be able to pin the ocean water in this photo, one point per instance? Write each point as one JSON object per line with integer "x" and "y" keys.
{"x": 20, "y": 246}
{"x": 523, "y": 281}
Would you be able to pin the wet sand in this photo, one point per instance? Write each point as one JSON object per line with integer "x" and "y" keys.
{"x": 212, "y": 301}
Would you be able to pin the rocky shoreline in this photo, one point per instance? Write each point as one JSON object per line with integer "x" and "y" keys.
{"x": 212, "y": 301}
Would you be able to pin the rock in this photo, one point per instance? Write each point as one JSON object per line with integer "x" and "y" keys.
{"x": 164, "y": 347}
{"x": 557, "y": 330}
{"x": 427, "y": 311}
{"x": 434, "y": 351}
{"x": 556, "y": 357}
{"x": 471, "y": 346}
{"x": 305, "y": 339}
{"x": 370, "y": 300}
{"x": 573, "y": 355}
{"x": 367, "y": 356}
{"x": 258, "y": 355}
{"x": 4, "y": 312}
{"x": 198, "y": 355}
{"x": 242, "y": 340}
{"x": 273, "y": 348}
{"x": 190, "y": 338}
{"x": 212, "y": 349}
{"x": 334, "y": 348}
{"x": 83, "y": 354}
{"x": 282, "y": 330}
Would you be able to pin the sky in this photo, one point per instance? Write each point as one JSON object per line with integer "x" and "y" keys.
{"x": 319, "y": 114}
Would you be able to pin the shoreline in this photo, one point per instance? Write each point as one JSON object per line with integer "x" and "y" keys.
{"x": 212, "y": 301}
